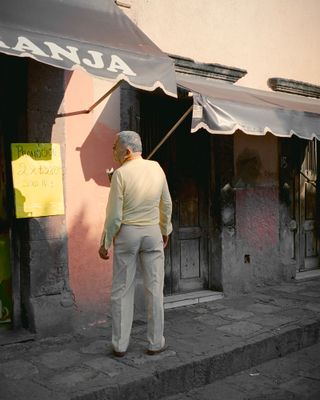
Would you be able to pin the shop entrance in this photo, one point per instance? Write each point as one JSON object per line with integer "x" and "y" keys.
{"x": 299, "y": 163}
{"x": 308, "y": 243}
{"x": 185, "y": 158}
{"x": 5, "y": 262}
{"x": 13, "y": 93}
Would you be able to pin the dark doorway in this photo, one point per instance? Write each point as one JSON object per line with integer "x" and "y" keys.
{"x": 13, "y": 92}
{"x": 185, "y": 158}
{"x": 300, "y": 176}
{"x": 5, "y": 245}
{"x": 308, "y": 244}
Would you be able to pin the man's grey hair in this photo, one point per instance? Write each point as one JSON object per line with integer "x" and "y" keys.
{"x": 130, "y": 139}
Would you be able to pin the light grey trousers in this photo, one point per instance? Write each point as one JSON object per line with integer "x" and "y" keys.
{"x": 131, "y": 243}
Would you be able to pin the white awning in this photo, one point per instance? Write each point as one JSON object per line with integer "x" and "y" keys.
{"x": 91, "y": 35}
{"x": 223, "y": 108}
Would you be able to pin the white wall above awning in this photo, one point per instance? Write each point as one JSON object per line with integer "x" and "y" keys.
{"x": 223, "y": 108}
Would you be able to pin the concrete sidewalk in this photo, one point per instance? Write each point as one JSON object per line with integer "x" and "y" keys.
{"x": 207, "y": 342}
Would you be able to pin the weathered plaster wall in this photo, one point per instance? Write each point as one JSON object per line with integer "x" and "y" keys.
{"x": 269, "y": 39}
{"x": 89, "y": 140}
{"x": 256, "y": 239}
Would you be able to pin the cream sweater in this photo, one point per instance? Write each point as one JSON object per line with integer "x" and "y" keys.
{"x": 139, "y": 195}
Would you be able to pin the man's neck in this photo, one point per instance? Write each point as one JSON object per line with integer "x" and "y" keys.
{"x": 132, "y": 156}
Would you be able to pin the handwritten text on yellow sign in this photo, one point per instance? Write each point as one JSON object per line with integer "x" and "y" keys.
{"x": 37, "y": 179}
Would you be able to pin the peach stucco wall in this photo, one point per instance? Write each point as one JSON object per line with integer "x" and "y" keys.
{"x": 274, "y": 38}
{"x": 89, "y": 139}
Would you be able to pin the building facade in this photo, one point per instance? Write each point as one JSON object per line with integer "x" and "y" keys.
{"x": 245, "y": 206}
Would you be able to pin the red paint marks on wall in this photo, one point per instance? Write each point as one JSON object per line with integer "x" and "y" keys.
{"x": 258, "y": 216}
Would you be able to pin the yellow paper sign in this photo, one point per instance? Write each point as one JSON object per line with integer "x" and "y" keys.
{"x": 37, "y": 179}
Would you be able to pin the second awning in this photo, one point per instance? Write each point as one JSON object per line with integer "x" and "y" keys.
{"x": 223, "y": 108}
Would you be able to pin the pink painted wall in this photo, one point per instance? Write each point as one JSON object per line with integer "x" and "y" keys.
{"x": 89, "y": 140}
{"x": 257, "y": 210}
{"x": 257, "y": 218}
{"x": 256, "y": 182}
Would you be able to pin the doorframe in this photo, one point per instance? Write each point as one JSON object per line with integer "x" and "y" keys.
{"x": 290, "y": 160}
{"x": 301, "y": 209}
{"x": 196, "y": 230}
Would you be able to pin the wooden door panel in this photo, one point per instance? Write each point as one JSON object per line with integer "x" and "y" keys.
{"x": 190, "y": 259}
{"x": 189, "y": 212}
{"x": 188, "y": 201}
{"x": 192, "y": 232}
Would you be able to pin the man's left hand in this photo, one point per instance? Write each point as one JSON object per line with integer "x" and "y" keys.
{"x": 103, "y": 253}
{"x": 165, "y": 239}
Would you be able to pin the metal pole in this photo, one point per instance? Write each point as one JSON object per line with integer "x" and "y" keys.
{"x": 94, "y": 105}
{"x": 175, "y": 126}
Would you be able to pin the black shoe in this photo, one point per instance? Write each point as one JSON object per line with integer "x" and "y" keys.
{"x": 118, "y": 353}
{"x": 154, "y": 352}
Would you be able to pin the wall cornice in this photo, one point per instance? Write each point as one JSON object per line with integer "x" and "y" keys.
{"x": 294, "y": 87}
{"x": 214, "y": 71}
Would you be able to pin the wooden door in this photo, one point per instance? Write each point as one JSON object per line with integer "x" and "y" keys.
{"x": 306, "y": 196}
{"x": 185, "y": 158}
{"x": 190, "y": 181}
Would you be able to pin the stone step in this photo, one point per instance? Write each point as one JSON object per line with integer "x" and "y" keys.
{"x": 187, "y": 299}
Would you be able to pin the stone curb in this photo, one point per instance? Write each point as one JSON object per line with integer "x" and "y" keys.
{"x": 207, "y": 369}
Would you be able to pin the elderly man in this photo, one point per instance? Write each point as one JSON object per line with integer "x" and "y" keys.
{"x": 138, "y": 221}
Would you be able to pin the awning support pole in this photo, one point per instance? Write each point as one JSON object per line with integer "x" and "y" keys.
{"x": 94, "y": 105}
{"x": 175, "y": 126}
